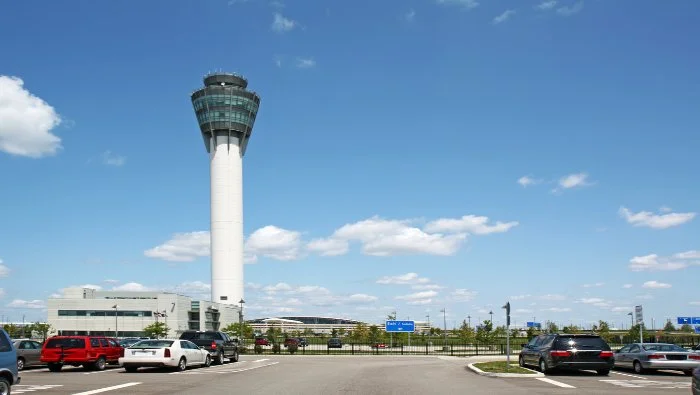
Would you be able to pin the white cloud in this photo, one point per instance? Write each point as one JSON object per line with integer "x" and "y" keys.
{"x": 26, "y": 121}
{"x": 382, "y": 237}
{"x": 27, "y": 304}
{"x": 523, "y": 311}
{"x": 590, "y": 300}
{"x": 462, "y": 295}
{"x": 472, "y": 224}
{"x": 695, "y": 303}
{"x": 4, "y": 270}
{"x": 110, "y": 281}
{"x": 627, "y": 286}
{"x": 132, "y": 287}
{"x": 595, "y": 285}
{"x": 653, "y": 262}
{"x": 575, "y": 180}
{"x": 619, "y": 309}
{"x": 410, "y": 15}
{"x": 571, "y": 10}
{"x": 655, "y": 285}
{"x": 665, "y": 209}
{"x": 279, "y": 287}
{"x": 417, "y": 295}
{"x": 305, "y": 63}
{"x": 2, "y": 293}
{"x": 553, "y": 297}
{"x": 111, "y": 159}
{"x": 645, "y": 297}
{"x": 328, "y": 247}
{"x": 464, "y": 3}
{"x": 426, "y": 286}
{"x": 526, "y": 181}
{"x": 192, "y": 287}
{"x": 408, "y": 278}
{"x": 655, "y": 221}
{"x": 273, "y": 242}
{"x": 183, "y": 247}
{"x": 282, "y": 24}
{"x": 420, "y": 302}
{"x": 520, "y": 297}
{"x": 507, "y": 14}
{"x": 547, "y": 5}
{"x": 558, "y": 309}
{"x": 362, "y": 298}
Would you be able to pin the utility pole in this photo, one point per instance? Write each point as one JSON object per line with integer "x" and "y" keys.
{"x": 116, "y": 320}
{"x": 491, "y": 314}
{"x": 429, "y": 328}
{"x": 507, "y": 307}
{"x": 469, "y": 321}
{"x": 240, "y": 322}
{"x": 444, "y": 332}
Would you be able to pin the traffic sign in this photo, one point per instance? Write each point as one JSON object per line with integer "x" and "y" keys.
{"x": 697, "y": 329}
{"x": 696, "y": 320}
{"x": 400, "y": 326}
{"x": 638, "y": 313}
{"x": 685, "y": 320}
{"x": 531, "y": 324}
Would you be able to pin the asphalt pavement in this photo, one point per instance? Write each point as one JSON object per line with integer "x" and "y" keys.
{"x": 311, "y": 375}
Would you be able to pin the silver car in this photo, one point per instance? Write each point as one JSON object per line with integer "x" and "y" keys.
{"x": 656, "y": 356}
{"x": 28, "y": 353}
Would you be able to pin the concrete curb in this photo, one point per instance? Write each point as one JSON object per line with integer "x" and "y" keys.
{"x": 490, "y": 374}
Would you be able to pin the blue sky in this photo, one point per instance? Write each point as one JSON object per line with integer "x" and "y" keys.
{"x": 408, "y": 156}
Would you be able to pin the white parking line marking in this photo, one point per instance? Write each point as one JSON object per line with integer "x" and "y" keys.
{"x": 104, "y": 371}
{"x": 649, "y": 384}
{"x": 229, "y": 370}
{"x": 251, "y": 368}
{"x": 554, "y": 382}
{"x": 261, "y": 360}
{"x": 21, "y": 388}
{"x": 631, "y": 375}
{"x": 106, "y": 389}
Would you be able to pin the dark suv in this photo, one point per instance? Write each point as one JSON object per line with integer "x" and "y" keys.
{"x": 567, "y": 351}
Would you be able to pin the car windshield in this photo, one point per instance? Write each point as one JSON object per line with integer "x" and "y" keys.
{"x": 65, "y": 343}
{"x": 582, "y": 342}
{"x": 664, "y": 347}
{"x": 153, "y": 344}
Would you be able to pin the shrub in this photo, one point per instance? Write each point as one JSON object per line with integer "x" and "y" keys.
{"x": 276, "y": 348}
{"x": 243, "y": 350}
{"x": 258, "y": 349}
{"x": 292, "y": 348}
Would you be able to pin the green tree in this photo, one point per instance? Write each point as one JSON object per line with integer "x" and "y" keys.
{"x": 342, "y": 332}
{"x": 234, "y": 330}
{"x": 465, "y": 333}
{"x": 603, "y": 329}
{"x": 551, "y": 327}
{"x": 157, "y": 330}
{"x": 571, "y": 329}
{"x": 13, "y": 330}
{"x": 669, "y": 327}
{"x": 687, "y": 328}
{"x": 500, "y": 331}
{"x": 484, "y": 333}
{"x": 374, "y": 334}
{"x": 360, "y": 333}
{"x": 532, "y": 332}
{"x": 334, "y": 332}
{"x": 42, "y": 328}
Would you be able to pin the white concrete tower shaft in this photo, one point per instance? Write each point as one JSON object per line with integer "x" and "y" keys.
{"x": 226, "y": 166}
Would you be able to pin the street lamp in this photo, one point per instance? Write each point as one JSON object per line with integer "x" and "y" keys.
{"x": 491, "y": 314}
{"x": 116, "y": 320}
{"x": 444, "y": 332}
{"x": 631, "y": 318}
{"x": 427, "y": 316}
{"x": 469, "y": 321}
{"x": 240, "y": 321}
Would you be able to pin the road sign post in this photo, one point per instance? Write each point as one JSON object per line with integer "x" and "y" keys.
{"x": 640, "y": 322}
{"x": 507, "y": 307}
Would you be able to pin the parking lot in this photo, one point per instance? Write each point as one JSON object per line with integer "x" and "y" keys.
{"x": 285, "y": 374}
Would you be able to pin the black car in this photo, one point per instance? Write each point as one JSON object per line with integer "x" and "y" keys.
{"x": 696, "y": 381}
{"x": 567, "y": 351}
{"x": 335, "y": 343}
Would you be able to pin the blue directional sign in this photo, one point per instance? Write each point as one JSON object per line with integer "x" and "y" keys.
{"x": 531, "y": 324}
{"x": 697, "y": 329}
{"x": 696, "y": 320}
{"x": 684, "y": 320}
{"x": 400, "y": 326}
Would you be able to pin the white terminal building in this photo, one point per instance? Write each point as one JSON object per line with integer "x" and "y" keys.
{"x": 86, "y": 311}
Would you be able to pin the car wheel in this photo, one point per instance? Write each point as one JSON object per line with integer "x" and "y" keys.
{"x": 100, "y": 364}
{"x": 55, "y": 367}
{"x": 182, "y": 364}
{"x": 688, "y": 372}
{"x": 638, "y": 367}
{"x": 603, "y": 372}
{"x": 4, "y": 386}
{"x": 220, "y": 358}
{"x": 543, "y": 366}
{"x": 207, "y": 361}
{"x": 20, "y": 364}
{"x": 235, "y": 357}
{"x": 131, "y": 369}
{"x": 521, "y": 361}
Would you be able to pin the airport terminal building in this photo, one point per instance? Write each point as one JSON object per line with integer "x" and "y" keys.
{"x": 86, "y": 311}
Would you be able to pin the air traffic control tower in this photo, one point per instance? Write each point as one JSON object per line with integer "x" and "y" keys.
{"x": 226, "y": 112}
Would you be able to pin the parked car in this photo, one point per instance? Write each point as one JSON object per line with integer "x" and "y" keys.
{"x": 262, "y": 341}
{"x": 92, "y": 352}
{"x": 129, "y": 341}
{"x": 654, "y": 356}
{"x": 9, "y": 375}
{"x": 28, "y": 353}
{"x": 302, "y": 342}
{"x": 378, "y": 345}
{"x": 291, "y": 341}
{"x": 335, "y": 343}
{"x": 219, "y": 344}
{"x": 696, "y": 381}
{"x": 568, "y": 351}
{"x": 175, "y": 353}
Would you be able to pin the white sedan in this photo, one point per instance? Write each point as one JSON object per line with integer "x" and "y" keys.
{"x": 174, "y": 353}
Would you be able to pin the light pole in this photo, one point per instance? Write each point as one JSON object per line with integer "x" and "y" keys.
{"x": 23, "y": 325}
{"x": 240, "y": 321}
{"x": 491, "y": 314}
{"x": 444, "y": 326}
{"x": 429, "y": 327}
{"x": 631, "y": 319}
{"x": 116, "y": 320}
{"x": 391, "y": 334}
{"x": 469, "y": 321}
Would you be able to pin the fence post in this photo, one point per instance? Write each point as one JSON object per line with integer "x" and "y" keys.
{"x": 426, "y": 348}
{"x": 476, "y": 346}
{"x": 503, "y": 352}
{"x": 352, "y": 348}
{"x": 401, "y": 348}
{"x": 328, "y": 349}
{"x": 452, "y": 349}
